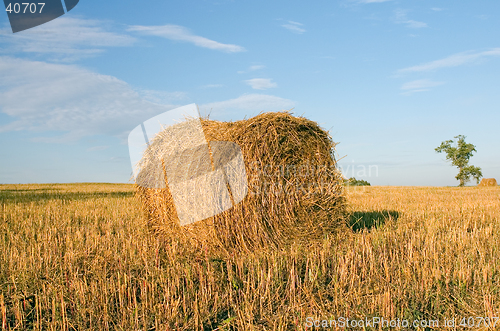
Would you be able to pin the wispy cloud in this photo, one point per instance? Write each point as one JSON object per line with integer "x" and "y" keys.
{"x": 252, "y": 68}
{"x": 249, "y": 103}
{"x": 161, "y": 97}
{"x": 454, "y": 60}
{"x": 180, "y": 33}
{"x": 437, "y": 9}
{"x": 295, "y": 27}
{"x": 76, "y": 102}
{"x": 401, "y": 18}
{"x": 261, "y": 83}
{"x": 65, "y": 39}
{"x": 419, "y": 85}
{"x": 415, "y": 24}
{"x": 256, "y": 67}
{"x": 69, "y": 99}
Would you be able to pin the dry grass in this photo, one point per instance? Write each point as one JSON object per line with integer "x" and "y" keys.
{"x": 79, "y": 257}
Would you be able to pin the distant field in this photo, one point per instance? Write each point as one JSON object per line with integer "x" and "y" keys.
{"x": 79, "y": 257}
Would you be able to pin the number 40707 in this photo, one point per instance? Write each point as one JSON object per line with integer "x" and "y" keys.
{"x": 28, "y": 8}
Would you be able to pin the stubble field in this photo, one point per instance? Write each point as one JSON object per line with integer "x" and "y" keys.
{"x": 80, "y": 257}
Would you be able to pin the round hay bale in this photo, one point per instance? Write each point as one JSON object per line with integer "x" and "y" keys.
{"x": 488, "y": 182}
{"x": 295, "y": 191}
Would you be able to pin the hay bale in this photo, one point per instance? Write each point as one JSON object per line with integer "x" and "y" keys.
{"x": 295, "y": 191}
{"x": 488, "y": 182}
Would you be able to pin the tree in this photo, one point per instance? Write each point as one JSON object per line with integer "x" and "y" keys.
{"x": 356, "y": 182}
{"x": 459, "y": 156}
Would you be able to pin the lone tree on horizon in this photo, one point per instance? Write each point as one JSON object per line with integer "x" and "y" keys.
{"x": 459, "y": 157}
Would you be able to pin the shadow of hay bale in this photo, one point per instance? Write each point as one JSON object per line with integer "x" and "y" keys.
{"x": 360, "y": 220}
{"x": 295, "y": 191}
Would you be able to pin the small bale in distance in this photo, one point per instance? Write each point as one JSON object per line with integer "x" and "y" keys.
{"x": 488, "y": 182}
{"x": 295, "y": 190}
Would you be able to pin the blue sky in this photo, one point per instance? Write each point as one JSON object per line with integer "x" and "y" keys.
{"x": 389, "y": 79}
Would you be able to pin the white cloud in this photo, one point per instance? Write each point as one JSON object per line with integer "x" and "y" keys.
{"x": 294, "y": 27}
{"x": 68, "y": 99}
{"x": 419, "y": 85}
{"x": 261, "y": 83}
{"x": 65, "y": 39}
{"x": 180, "y": 33}
{"x": 250, "y": 103}
{"x": 454, "y": 60}
{"x": 401, "y": 18}
{"x": 256, "y": 67}
{"x": 252, "y": 68}
{"x": 437, "y": 9}
{"x": 415, "y": 24}
{"x": 161, "y": 97}
{"x": 75, "y": 102}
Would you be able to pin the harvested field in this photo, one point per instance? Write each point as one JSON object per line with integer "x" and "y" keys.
{"x": 79, "y": 257}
